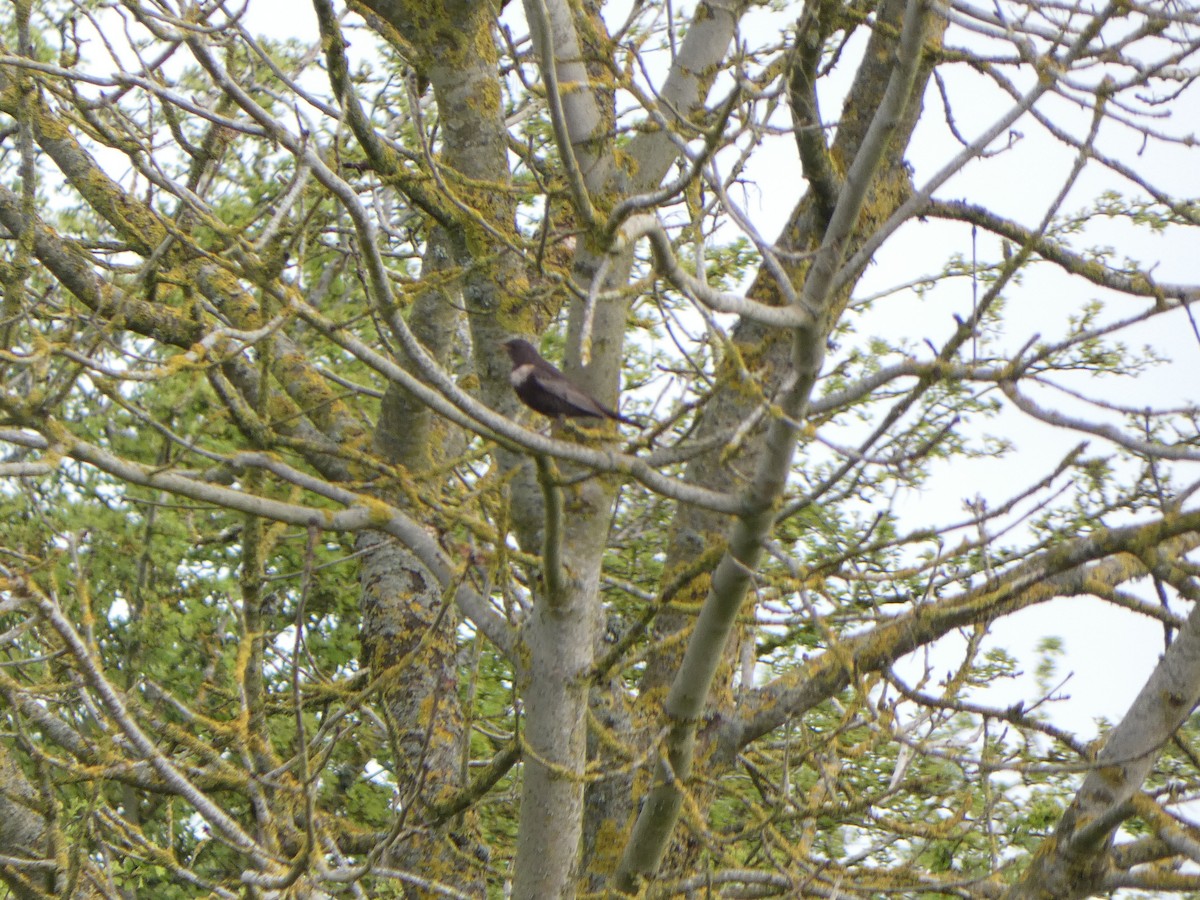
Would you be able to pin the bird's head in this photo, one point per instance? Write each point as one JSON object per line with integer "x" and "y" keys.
{"x": 520, "y": 351}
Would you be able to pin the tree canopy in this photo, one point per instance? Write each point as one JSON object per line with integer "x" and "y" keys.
{"x": 297, "y": 599}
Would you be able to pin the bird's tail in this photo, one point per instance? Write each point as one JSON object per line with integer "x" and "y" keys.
{"x": 624, "y": 420}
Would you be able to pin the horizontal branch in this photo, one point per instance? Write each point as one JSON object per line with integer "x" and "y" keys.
{"x": 448, "y": 400}
{"x": 1142, "y": 284}
{"x": 1151, "y": 449}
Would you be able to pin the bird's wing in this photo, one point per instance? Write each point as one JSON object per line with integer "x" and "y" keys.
{"x": 574, "y": 400}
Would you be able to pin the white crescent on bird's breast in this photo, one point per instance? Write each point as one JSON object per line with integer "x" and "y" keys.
{"x": 520, "y": 374}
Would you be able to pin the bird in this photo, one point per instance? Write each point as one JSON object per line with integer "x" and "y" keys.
{"x": 543, "y": 388}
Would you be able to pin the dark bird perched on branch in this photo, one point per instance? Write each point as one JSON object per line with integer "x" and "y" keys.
{"x": 544, "y": 389}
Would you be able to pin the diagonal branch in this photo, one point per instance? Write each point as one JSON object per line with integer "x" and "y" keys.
{"x": 1072, "y": 569}
{"x": 732, "y": 578}
{"x": 1074, "y": 862}
{"x": 920, "y": 198}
